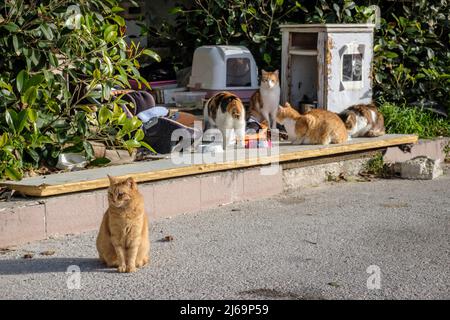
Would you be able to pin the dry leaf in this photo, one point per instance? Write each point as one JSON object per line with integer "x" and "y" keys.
{"x": 28, "y": 256}
{"x": 167, "y": 238}
{"x": 48, "y": 253}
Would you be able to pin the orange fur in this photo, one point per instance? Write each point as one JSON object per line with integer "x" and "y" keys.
{"x": 314, "y": 127}
{"x": 235, "y": 109}
{"x": 123, "y": 240}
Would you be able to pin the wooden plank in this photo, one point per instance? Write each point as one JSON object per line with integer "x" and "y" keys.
{"x": 165, "y": 169}
{"x": 299, "y": 52}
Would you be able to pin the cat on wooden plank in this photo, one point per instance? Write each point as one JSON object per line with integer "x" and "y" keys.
{"x": 314, "y": 127}
{"x": 225, "y": 111}
{"x": 265, "y": 101}
{"x": 363, "y": 120}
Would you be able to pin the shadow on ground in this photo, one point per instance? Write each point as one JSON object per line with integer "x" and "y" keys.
{"x": 50, "y": 265}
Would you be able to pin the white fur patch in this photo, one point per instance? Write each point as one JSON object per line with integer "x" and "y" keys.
{"x": 361, "y": 127}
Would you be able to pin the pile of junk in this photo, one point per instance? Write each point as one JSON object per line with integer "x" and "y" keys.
{"x": 172, "y": 105}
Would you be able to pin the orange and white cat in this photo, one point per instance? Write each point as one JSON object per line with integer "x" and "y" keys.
{"x": 363, "y": 120}
{"x": 314, "y": 127}
{"x": 225, "y": 111}
{"x": 264, "y": 102}
{"x": 123, "y": 240}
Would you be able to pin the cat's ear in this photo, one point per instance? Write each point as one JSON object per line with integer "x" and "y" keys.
{"x": 287, "y": 105}
{"x": 263, "y": 72}
{"x": 276, "y": 72}
{"x": 111, "y": 180}
{"x": 131, "y": 183}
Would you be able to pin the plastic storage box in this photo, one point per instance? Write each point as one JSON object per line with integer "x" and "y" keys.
{"x": 190, "y": 99}
{"x": 224, "y": 68}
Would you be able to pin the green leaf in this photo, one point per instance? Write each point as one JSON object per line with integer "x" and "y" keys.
{"x": 10, "y": 118}
{"x": 175, "y": 10}
{"x": 33, "y": 81}
{"x": 99, "y": 162}
{"x": 16, "y": 45}
{"x": 390, "y": 54}
{"x": 53, "y": 60}
{"x": 29, "y": 97}
{"x": 32, "y": 115}
{"x": 110, "y": 33}
{"x": 111, "y": 36}
{"x": 21, "y": 120}
{"x": 139, "y": 135}
{"x": 3, "y": 139}
{"x": 20, "y": 80}
{"x": 97, "y": 74}
{"x": 280, "y": 2}
{"x": 106, "y": 91}
{"x": 13, "y": 173}
{"x": 11, "y": 27}
{"x": 122, "y": 118}
{"x": 104, "y": 115}
{"x": 267, "y": 58}
{"x": 89, "y": 150}
{"x": 145, "y": 145}
{"x": 117, "y": 9}
{"x": 258, "y": 38}
{"x": 152, "y": 54}
{"x": 33, "y": 154}
{"x": 131, "y": 144}
{"x": 46, "y": 31}
{"x": 119, "y": 20}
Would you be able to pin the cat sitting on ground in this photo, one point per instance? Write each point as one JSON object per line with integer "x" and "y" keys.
{"x": 264, "y": 102}
{"x": 226, "y": 112}
{"x": 123, "y": 240}
{"x": 314, "y": 127}
{"x": 363, "y": 120}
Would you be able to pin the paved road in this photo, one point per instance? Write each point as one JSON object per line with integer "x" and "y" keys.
{"x": 315, "y": 243}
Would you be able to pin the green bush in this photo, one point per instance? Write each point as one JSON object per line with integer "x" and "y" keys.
{"x": 252, "y": 23}
{"x": 413, "y": 120}
{"x": 53, "y": 56}
{"x": 412, "y": 48}
{"x": 412, "y": 55}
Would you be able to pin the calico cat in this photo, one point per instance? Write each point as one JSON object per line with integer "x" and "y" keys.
{"x": 264, "y": 102}
{"x": 314, "y": 127}
{"x": 226, "y": 112}
{"x": 363, "y": 120}
{"x": 122, "y": 240}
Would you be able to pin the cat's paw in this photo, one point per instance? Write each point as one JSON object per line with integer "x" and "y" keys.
{"x": 142, "y": 263}
{"x": 131, "y": 269}
{"x": 122, "y": 268}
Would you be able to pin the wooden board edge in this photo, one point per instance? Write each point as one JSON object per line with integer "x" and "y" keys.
{"x": 49, "y": 190}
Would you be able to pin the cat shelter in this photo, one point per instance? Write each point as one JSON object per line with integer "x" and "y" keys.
{"x": 327, "y": 66}
{"x": 219, "y": 68}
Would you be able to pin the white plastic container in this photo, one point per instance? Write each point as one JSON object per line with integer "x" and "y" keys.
{"x": 224, "y": 68}
{"x": 190, "y": 99}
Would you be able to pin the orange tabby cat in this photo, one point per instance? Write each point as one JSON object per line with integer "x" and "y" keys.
{"x": 123, "y": 241}
{"x": 314, "y": 127}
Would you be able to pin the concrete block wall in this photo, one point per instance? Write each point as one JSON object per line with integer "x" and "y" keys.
{"x": 30, "y": 220}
